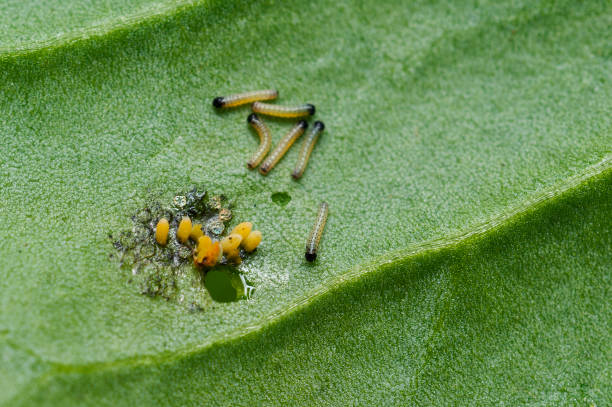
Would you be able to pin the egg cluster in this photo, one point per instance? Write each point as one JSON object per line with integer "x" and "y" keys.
{"x": 165, "y": 241}
{"x": 206, "y": 252}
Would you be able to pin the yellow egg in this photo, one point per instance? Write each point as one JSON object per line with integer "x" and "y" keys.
{"x": 196, "y": 232}
{"x": 231, "y": 242}
{"x": 252, "y": 241}
{"x": 243, "y": 229}
{"x": 161, "y": 231}
{"x": 184, "y": 229}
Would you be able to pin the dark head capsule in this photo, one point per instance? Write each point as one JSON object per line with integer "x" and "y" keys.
{"x": 218, "y": 102}
{"x": 311, "y": 256}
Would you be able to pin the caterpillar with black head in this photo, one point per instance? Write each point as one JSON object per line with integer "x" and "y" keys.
{"x": 285, "y": 112}
{"x": 314, "y": 238}
{"x": 240, "y": 99}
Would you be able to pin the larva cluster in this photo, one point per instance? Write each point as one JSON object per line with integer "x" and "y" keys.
{"x": 302, "y": 111}
{"x": 265, "y": 139}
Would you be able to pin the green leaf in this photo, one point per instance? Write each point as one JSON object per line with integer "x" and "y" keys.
{"x": 466, "y": 161}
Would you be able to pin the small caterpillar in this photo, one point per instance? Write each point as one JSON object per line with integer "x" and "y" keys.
{"x": 307, "y": 146}
{"x": 316, "y": 232}
{"x": 240, "y": 99}
{"x": 286, "y": 112}
{"x": 265, "y": 140}
{"x": 282, "y": 147}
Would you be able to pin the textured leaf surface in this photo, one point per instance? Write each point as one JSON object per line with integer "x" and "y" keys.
{"x": 466, "y": 161}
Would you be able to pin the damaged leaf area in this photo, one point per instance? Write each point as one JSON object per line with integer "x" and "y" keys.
{"x": 168, "y": 271}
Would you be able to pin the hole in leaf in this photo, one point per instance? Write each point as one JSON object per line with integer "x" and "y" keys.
{"x": 281, "y": 198}
{"x": 225, "y": 285}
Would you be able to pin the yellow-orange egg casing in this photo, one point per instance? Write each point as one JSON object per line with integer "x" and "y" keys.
{"x": 204, "y": 245}
{"x": 243, "y": 229}
{"x": 231, "y": 242}
{"x": 252, "y": 241}
{"x": 213, "y": 255}
{"x": 234, "y": 256}
{"x": 161, "y": 231}
{"x": 183, "y": 230}
{"x": 196, "y": 232}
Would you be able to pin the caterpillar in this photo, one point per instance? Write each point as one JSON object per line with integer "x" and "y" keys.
{"x": 265, "y": 140}
{"x": 306, "y": 150}
{"x": 286, "y": 112}
{"x": 316, "y": 232}
{"x": 282, "y": 147}
{"x": 240, "y": 99}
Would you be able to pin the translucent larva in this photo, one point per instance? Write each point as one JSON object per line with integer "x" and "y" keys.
{"x": 307, "y": 146}
{"x": 252, "y": 241}
{"x": 265, "y": 140}
{"x": 184, "y": 230}
{"x": 161, "y": 231}
{"x": 316, "y": 232}
{"x": 282, "y": 147}
{"x": 286, "y": 112}
{"x": 240, "y": 99}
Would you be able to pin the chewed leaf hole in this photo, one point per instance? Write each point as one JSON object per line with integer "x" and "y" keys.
{"x": 225, "y": 284}
{"x": 281, "y": 198}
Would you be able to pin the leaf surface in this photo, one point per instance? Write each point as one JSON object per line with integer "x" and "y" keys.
{"x": 465, "y": 160}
